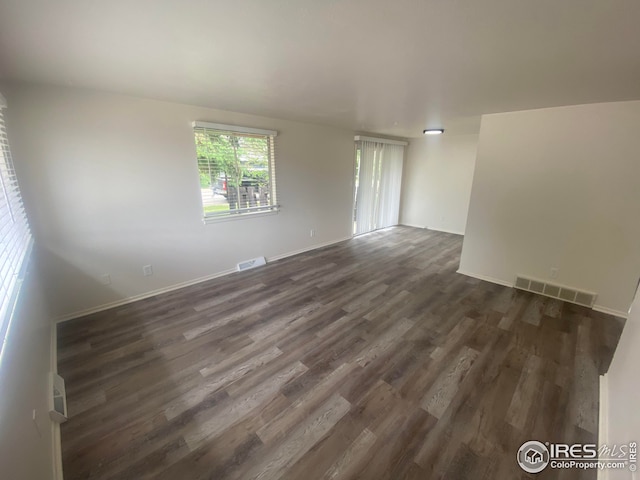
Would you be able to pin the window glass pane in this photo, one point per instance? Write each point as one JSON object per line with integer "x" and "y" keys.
{"x": 15, "y": 238}
{"x": 234, "y": 171}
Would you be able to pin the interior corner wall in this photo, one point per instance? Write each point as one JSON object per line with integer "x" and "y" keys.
{"x": 27, "y": 444}
{"x": 559, "y": 188}
{"x": 110, "y": 184}
{"x": 437, "y": 182}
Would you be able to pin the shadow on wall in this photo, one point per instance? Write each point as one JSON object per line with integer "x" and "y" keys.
{"x": 66, "y": 286}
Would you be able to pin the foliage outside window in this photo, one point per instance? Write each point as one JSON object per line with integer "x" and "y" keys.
{"x": 237, "y": 169}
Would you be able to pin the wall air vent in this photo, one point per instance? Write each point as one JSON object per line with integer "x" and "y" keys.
{"x": 561, "y": 292}
{"x": 57, "y": 398}
{"x": 253, "y": 263}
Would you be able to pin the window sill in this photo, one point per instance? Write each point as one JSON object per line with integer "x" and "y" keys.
{"x": 239, "y": 216}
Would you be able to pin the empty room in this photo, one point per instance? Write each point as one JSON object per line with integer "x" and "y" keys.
{"x": 319, "y": 239}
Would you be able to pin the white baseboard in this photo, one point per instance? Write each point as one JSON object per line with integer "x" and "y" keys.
{"x": 603, "y": 420}
{"x": 307, "y": 249}
{"x": 445, "y": 231}
{"x": 142, "y": 296}
{"x": 178, "y": 286}
{"x": 55, "y": 440}
{"x": 597, "y": 308}
{"x": 56, "y": 449}
{"x": 610, "y": 311}
{"x": 432, "y": 228}
{"x": 57, "y": 452}
{"x": 404, "y": 224}
{"x": 486, "y": 278}
{"x": 54, "y": 349}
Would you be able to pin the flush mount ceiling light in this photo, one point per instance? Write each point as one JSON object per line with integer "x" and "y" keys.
{"x": 433, "y": 131}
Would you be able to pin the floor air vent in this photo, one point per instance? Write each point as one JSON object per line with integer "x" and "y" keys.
{"x": 253, "y": 263}
{"x": 556, "y": 291}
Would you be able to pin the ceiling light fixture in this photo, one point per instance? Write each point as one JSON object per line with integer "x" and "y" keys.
{"x": 433, "y": 131}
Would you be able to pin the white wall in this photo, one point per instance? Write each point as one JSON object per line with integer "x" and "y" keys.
{"x": 559, "y": 187}
{"x": 437, "y": 182}
{"x": 111, "y": 184}
{"x": 26, "y": 446}
{"x": 619, "y": 407}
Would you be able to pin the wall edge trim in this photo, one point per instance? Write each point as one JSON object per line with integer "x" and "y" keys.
{"x": 307, "y": 249}
{"x": 445, "y": 230}
{"x": 178, "y": 286}
{"x": 485, "y": 278}
{"x": 56, "y": 441}
{"x": 610, "y": 311}
{"x": 405, "y": 224}
{"x": 142, "y": 296}
{"x": 603, "y": 420}
{"x": 597, "y": 308}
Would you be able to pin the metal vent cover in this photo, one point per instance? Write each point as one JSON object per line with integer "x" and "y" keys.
{"x": 567, "y": 294}
{"x": 253, "y": 263}
{"x": 553, "y": 290}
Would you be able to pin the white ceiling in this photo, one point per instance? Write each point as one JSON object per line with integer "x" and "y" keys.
{"x": 391, "y": 67}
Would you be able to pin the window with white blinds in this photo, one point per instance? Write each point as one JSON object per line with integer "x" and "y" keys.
{"x": 237, "y": 169}
{"x": 15, "y": 237}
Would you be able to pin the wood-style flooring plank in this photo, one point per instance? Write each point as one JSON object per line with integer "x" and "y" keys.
{"x": 368, "y": 359}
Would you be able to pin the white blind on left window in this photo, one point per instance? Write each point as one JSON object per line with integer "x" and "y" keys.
{"x": 15, "y": 236}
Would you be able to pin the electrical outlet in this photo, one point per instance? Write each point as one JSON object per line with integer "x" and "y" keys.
{"x": 105, "y": 279}
{"x": 554, "y": 272}
{"x": 147, "y": 270}
{"x": 312, "y": 233}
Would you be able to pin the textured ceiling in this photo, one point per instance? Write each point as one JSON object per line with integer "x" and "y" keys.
{"x": 392, "y": 67}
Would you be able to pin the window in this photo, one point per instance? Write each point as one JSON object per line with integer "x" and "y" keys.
{"x": 15, "y": 237}
{"x": 237, "y": 169}
{"x": 378, "y": 183}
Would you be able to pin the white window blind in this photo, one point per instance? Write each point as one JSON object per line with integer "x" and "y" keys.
{"x": 15, "y": 237}
{"x": 237, "y": 169}
{"x": 378, "y": 184}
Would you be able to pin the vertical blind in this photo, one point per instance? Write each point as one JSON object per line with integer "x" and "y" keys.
{"x": 15, "y": 237}
{"x": 378, "y": 187}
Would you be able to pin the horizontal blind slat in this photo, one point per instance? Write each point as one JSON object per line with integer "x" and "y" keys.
{"x": 15, "y": 235}
{"x": 238, "y": 166}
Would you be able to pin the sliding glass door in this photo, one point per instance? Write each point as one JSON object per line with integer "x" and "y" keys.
{"x": 378, "y": 183}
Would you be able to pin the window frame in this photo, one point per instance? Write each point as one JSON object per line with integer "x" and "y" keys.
{"x": 16, "y": 241}
{"x": 247, "y": 212}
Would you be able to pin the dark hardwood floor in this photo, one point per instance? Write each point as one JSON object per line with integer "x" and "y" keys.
{"x": 370, "y": 359}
